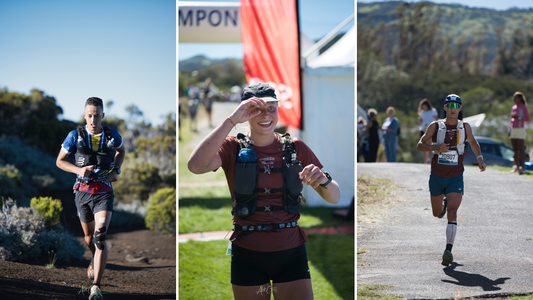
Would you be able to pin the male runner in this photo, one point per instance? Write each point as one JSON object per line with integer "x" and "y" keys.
{"x": 99, "y": 154}
{"x": 446, "y": 139}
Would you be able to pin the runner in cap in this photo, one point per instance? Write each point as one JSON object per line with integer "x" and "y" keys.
{"x": 446, "y": 139}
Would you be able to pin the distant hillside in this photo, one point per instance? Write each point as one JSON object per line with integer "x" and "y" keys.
{"x": 456, "y": 20}
{"x": 200, "y": 62}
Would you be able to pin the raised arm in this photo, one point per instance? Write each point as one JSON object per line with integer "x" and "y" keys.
{"x": 204, "y": 157}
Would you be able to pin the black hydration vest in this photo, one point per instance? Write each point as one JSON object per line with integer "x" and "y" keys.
{"x": 247, "y": 174}
{"x": 85, "y": 156}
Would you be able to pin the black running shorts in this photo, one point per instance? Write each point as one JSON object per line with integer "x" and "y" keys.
{"x": 250, "y": 268}
{"x": 89, "y": 204}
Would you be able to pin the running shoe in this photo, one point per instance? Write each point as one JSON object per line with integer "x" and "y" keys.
{"x": 444, "y": 205}
{"x": 90, "y": 270}
{"x": 96, "y": 293}
{"x": 447, "y": 258}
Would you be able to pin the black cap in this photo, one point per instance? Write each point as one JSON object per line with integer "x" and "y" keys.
{"x": 259, "y": 90}
{"x": 453, "y": 98}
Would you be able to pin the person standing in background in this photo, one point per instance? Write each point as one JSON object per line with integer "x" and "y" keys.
{"x": 517, "y": 132}
{"x": 390, "y": 134}
{"x": 426, "y": 115}
{"x": 372, "y": 129}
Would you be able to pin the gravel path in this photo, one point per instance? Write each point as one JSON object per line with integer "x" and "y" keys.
{"x": 493, "y": 248}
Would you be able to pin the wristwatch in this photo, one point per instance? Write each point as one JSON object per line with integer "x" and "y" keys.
{"x": 327, "y": 182}
{"x": 117, "y": 170}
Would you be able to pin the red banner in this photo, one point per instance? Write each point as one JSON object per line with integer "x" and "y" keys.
{"x": 269, "y": 33}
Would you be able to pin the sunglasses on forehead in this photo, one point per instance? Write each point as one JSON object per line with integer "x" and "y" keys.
{"x": 452, "y": 105}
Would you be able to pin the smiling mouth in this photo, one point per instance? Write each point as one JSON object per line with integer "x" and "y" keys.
{"x": 265, "y": 124}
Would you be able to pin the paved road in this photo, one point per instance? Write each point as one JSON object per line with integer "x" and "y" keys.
{"x": 493, "y": 250}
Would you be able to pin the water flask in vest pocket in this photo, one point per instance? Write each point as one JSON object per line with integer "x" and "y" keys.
{"x": 245, "y": 205}
{"x": 294, "y": 183}
{"x": 247, "y": 155}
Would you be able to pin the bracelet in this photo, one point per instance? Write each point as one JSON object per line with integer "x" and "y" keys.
{"x": 479, "y": 156}
{"x": 231, "y": 123}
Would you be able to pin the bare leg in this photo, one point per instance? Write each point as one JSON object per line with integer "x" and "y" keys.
{"x": 298, "y": 289}
{"x": 521, "y": 155}
{"x": 257, "y": 292}
{"x": 514, "y": 143}
{"x": 436, "y": 204}
{"x": 102, "y": 220}
{"x": 454, "y": 201}
{"x": 88, "y": 232}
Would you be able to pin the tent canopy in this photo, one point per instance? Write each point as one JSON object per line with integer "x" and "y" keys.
{"x": 328, "y": 109}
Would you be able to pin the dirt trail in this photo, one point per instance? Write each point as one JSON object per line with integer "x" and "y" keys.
{"x": 141, "y": 265}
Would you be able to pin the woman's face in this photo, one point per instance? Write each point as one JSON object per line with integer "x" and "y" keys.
{"x": 265, "y": 122}
{"x": 425, "y": 107}
{"x": 517, "y": 100}
{"x": 390, "y": 112}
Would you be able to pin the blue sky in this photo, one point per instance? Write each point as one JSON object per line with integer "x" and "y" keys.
{"x": 120, "y": 50}
{"x": 317, "y": 18}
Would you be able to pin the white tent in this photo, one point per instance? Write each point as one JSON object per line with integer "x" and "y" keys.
{"x": 328, "y": 110}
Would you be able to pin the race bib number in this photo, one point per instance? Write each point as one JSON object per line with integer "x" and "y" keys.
{"x": 449, "y": 157}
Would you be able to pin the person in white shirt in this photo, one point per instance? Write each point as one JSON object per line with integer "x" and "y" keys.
{"x": 426, "y": 114}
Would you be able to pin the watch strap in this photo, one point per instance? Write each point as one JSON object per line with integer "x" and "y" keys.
{"x": 327, "y": 182}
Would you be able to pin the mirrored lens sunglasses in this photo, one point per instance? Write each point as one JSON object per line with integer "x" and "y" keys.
{"x": 454, "y": 105}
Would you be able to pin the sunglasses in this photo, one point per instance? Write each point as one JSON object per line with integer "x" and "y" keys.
{"x": 454, "y": 105}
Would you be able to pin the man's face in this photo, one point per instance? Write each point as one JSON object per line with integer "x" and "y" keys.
{"x": 452, "y": 110}
{"x": 93, "y": 116}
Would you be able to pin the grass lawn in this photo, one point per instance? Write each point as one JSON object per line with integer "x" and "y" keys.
{"x": 204, "y": 269}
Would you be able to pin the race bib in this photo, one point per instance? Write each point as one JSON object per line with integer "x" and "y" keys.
{"x": 450, "y": 157}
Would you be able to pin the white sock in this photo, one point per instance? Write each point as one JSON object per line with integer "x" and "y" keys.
{"x": 451, "y": 230}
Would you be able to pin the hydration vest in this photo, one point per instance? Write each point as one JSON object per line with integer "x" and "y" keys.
{"x": 247, "y": 174}
{"x": 441, "y": 135}
{"x": 85, "y": 156}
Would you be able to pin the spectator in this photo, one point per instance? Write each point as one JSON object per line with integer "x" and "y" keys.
{"x": 517, "y": 132}
{"x": 372, "y": 129}
{"x": 426, "y": 115}
{"x": 390, "y": 134}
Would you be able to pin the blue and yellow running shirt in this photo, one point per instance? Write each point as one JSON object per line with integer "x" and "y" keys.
{"x": 95, "y": 142}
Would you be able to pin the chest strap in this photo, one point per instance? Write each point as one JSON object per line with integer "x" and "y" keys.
{"x": 245, "y": 230}
{"x": 270, "y": 170}
{"x": 87, "y": 181}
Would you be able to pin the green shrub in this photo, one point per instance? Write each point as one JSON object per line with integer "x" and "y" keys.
{"x": 49, "y": 208}
{"x": 24, "y": 236}
{"x": 161, "y": 214}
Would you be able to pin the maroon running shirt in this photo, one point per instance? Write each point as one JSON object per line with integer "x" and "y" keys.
{"x": 271, "y": 156}
{"x": 442, "y": 170}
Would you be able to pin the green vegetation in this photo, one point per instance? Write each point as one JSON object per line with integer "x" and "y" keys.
{"x": 24, "y": 236}
{"x": 410, "y": 51}
{"x": 49, "y": 208}
{"x": 31, "y": 135}
{"x": 161, "y": 214}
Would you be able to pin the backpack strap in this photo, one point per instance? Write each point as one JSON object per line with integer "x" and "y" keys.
{"x": 244, "y": 141}
{"x": 460, "y": 137}
{"x": 441, "y": 133}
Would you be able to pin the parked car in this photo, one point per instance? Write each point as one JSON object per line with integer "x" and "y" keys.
{"x": 495, "y": 152}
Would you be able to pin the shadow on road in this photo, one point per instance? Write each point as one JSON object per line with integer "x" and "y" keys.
{"x": 468, "y": 279}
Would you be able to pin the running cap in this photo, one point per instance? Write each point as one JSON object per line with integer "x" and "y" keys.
{"x": 453, "y": 98}
{"x": 259, "y": 90}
